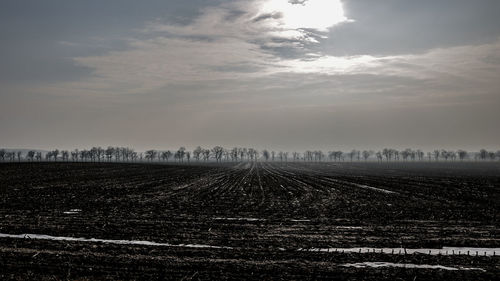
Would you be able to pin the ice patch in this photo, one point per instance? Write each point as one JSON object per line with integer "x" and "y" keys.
{"x": 376, "y": 189}
{"x": 72, "y": 212}
{"x": 407, "y": 265}
{"x": 106, "y": 241}
{"x": 348, "y": 227}
{"x": 238, "y": 219}
{"x": 445, "y": 251}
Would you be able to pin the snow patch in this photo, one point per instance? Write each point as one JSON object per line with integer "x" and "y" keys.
{"x": 376, "y": 189}
{"x": 407, "y": 265}
{"x": 238, "y": 219}
{"x": 106, "y": 241}
{"x": 72, "y": 212}
{"x": 445, "y": 251}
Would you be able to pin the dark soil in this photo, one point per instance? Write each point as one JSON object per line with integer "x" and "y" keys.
{"x": 264, "y": 211}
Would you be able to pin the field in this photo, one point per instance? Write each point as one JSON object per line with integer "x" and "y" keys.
{"x": 240, "y": 221}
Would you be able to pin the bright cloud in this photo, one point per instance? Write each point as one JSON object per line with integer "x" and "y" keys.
{"x": 314, "y": 14}
{"x": 250, "y": 40}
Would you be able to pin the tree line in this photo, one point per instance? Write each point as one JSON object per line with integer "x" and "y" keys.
{"x": 221, "y": 154}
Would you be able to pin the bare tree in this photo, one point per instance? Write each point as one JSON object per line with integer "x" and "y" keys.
{"x": 492, "y": 155}
{"x": 74, "y": 155}
{"x": 179, "y": 154}
{"x": 206, "y": 155}
{"x": 367, "y": 154}
{"x": 388, "y": 153}
{"x": 462, "y": 154}
{"x": 253, "y": 154}
{"x": 31, "y": 155}
{"x": 151, "y": 155}
{"x": 165, "y": 155}
{"x": 197, "y": 153}
{"x": 55, "y": 154}
{"x": 420, "y": 155}
{"x": 242, "y": 152}
{"x": 65, "y": 155}
{"x": 318, "y": 155}
{"x": 265, "y": 154}
{"x": 218, "y": 152}
{"x": 281, "y": 156}
{"x": 406, "y": 154}
{"x": 436, "y": 154}
{"x": 445, "y": 154}
{"x": 234, "y": 154}
{"x": 483, "y": 154}
{"x": 109, "y": 152}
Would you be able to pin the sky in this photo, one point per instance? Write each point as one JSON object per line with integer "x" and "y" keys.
{"x": 275, "y": 74}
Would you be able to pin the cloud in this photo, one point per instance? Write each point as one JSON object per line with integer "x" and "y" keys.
{"x": 242, "y": 41}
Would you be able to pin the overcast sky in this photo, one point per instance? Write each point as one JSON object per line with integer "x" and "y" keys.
{"x": 276, "y": 74}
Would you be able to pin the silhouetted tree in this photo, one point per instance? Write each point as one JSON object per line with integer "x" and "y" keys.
{"x": 420, "y": 155}
{"x": 218, "y": 152}
{"x": 197, "y": 153}
{"x": 367, "y": 154}
{"x": 151, "y": 155}
{"x": 55, "y": 154}
{"x": 65, "y": 155}
{"x": 165, "y": 155}
{"x": 462, "y": 154}
{"x": 265, "y": 154}
{"x": 436, "y": 154}
{"x": 234, "y": 154}
{"x": 109, "y": 152}
{"x": 74, "y": 155}
{"x": 388, "y": 153}
{"x": 206, "y": 154}
{"x": 180, "y": 153}
{"x": 483, "y": 154}
{"x": 31, "y": 155}
{"x": 492, "y": 155}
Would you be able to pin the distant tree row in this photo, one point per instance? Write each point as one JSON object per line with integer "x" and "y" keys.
{"x": 220, "y": 154}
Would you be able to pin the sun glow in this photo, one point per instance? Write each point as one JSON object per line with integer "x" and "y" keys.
{"x": 314, "y": 14}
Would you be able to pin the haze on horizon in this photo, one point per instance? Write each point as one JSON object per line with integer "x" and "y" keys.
{"x": 291, "y": 75}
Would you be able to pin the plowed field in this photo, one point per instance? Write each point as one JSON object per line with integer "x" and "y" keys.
{"x": 258, "y": 220}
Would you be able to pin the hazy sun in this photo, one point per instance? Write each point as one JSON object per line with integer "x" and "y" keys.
{"x": 315, "y": 14}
